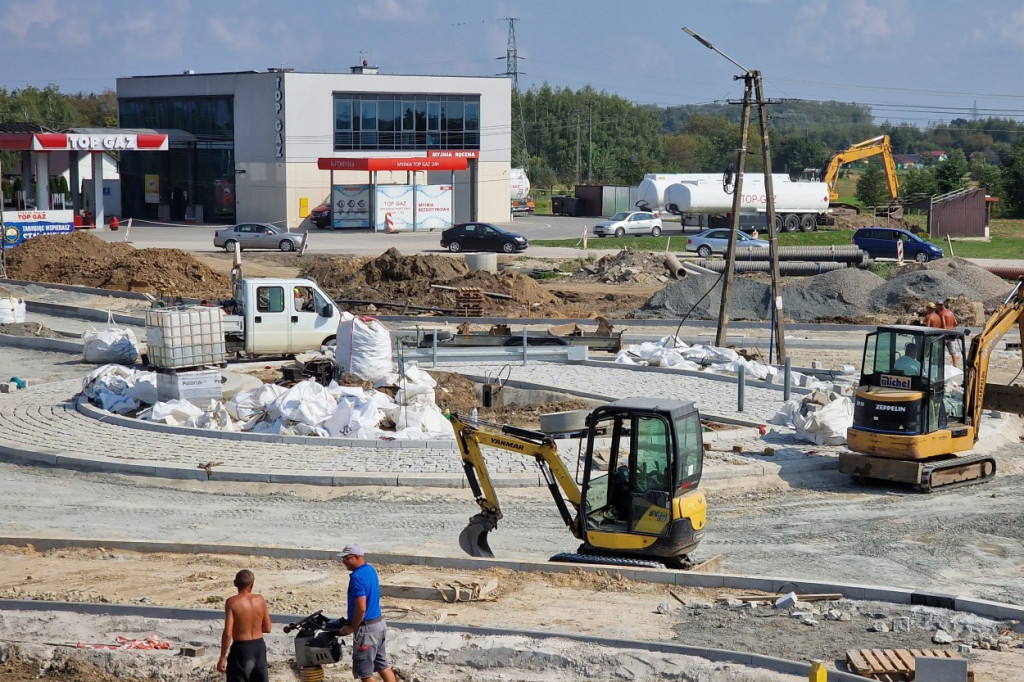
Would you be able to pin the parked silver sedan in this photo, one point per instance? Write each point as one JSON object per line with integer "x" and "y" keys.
{"x": 717, "y": 241}
{"x": 629, "y": 222}
{"x": 256, "y": 236}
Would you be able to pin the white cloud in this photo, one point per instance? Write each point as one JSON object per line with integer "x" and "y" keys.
{"x": 405, "y": 11}
{"x": 1010, "y": 30}
{"x": 238, "y": 33}
{"x": 23, "y": 17}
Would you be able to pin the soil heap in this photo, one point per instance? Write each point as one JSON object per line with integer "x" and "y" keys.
{"x": 640, "y": 268}
{"x": 393, "y": 281}
{"x": 82, "y": 259}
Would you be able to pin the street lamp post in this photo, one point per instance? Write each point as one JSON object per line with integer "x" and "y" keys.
{"x": 752, "y": 81}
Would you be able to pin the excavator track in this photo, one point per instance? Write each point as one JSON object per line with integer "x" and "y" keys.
{"x": 956, "y": 473}
{"x": 605, "y": 560}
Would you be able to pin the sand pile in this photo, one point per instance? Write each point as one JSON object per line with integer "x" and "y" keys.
{"x": 80, "y": 258}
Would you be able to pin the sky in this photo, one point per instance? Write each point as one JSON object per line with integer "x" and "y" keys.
{"x": 917, "y": 61}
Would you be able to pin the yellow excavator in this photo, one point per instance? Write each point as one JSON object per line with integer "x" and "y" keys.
{"x": 875, "y": 146}
{"x": 638, "y": 503}
{"x": 906, "y": 427}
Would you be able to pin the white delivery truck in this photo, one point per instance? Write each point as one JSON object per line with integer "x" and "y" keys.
{"x": 271, "y": 316}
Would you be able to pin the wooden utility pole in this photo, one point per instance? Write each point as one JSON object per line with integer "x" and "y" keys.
{"x": 773, "y": 233}
{"x": 751, "y": 80}
{"x": 737, "y": 199}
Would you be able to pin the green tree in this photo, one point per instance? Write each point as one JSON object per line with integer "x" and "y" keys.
{"x": 949, "y": 174}
{"x": 988, "y": 176}
{"x": 871, "y": 187}
{"x": 793, "y": 154}
{"x": 1013, "y": 177}
{"x": 918, "y": 182}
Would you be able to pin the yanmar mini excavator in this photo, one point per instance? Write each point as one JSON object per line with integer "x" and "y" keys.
{"x": 906, "y": 428}
{"x": 639, "y": 503}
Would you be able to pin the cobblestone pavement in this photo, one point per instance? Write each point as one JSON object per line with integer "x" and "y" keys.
{"x": 41, "y": 424}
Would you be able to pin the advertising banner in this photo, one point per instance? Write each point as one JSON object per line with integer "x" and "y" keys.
{"x": 351, "y": 206}
{"x": 152, "y": 188}
{"x": 433, "y": 207}
{"x": 394, "y": 208}
{"x": 22, "y": 225}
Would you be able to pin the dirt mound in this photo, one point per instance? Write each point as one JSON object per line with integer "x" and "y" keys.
{"x": 82, "y": 259}
{"x": 397, "y": 281}
{"x": 640, "y": 268}
{"x": 852, "y": 221}
{"x": 28, "y": 329}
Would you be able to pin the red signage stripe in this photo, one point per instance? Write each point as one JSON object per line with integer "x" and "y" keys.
{"x": 391, "y": 164}
{"x": 51, "y": 140}
{"x": 151, "y": 141}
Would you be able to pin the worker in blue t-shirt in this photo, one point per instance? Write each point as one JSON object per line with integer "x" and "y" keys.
{"x": 366, "y": 623}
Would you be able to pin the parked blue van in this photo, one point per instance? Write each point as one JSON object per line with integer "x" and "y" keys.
{"x": 880, "y": 242}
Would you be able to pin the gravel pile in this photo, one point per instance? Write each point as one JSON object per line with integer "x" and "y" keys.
{"x": 918, "y": 287}
{"x": 991, "y": 289}
{"x": 851, "y": 286}
{"x": 750, "y": 299}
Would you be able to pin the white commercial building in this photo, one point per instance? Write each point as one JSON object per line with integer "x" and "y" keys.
{"x": 251, "y": 146}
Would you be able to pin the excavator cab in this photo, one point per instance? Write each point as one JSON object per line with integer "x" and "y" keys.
{"x": 641, "y": 472}
{"x": 903, "y": 382}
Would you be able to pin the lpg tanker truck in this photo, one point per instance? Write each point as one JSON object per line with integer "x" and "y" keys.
{"x": 701, "y": 199}
{"x": 519, "y": 190}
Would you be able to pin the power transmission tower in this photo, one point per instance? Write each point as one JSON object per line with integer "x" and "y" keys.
{"x": 520, "y": 155}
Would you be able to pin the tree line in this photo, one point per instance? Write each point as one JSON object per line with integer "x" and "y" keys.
{"x": 565, "y": 137}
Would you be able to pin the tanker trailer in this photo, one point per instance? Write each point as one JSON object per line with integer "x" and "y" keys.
{"x": 519, "y": 190}
{"x": 700, "y": 199}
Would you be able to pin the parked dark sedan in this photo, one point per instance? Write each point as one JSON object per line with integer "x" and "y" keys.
{"x": 482, "y": 237}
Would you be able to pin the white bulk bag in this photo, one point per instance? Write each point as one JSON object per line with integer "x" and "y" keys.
{"x": 363, "y": 347}
{"x": 110, "y": 345}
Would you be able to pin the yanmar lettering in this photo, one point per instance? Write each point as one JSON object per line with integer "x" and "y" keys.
{"x": 509, "y": 444}
{"x": 891, "y": 408}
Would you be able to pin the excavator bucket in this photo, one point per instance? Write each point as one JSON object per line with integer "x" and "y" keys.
{"x": 473, "y": 538}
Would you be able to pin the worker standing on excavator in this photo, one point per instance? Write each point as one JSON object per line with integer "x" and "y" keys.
{"x": 948, "y": 322}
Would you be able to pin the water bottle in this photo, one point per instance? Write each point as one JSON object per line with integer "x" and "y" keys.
{"x": 473, "y": 416}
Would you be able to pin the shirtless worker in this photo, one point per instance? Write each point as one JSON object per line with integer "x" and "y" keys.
{"x": 246, "y": 619}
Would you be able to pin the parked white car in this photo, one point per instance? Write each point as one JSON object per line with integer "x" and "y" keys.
{"x": 629, "y": 222}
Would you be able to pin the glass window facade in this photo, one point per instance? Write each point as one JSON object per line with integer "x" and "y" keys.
{"x": 197, "y": 170}
{"x": 407, "y": 122}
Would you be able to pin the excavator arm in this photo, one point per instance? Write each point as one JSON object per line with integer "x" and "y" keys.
{"x": 470, "y": 437}
{"x": 863, "y": 150}
{"x": 1009, "y": 313}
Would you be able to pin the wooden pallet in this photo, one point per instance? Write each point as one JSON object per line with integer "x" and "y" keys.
{"x": 469, "y": 301}
{"x": 893, "y": 665}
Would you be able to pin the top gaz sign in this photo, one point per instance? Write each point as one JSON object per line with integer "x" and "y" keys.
{"x": 102, "y": 142}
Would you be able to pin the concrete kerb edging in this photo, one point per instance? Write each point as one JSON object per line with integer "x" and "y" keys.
{"x": 780, "y": 665}
{"x": 61, "y": 310}
{"x": 41, "y": 343}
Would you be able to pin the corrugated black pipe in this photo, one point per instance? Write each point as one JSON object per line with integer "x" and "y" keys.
{"x": 785, "y": 268}
{"x": 841, "y": 254}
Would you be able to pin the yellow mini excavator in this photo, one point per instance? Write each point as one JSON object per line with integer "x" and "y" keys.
{"x": 906, "y": 427}
{"x": 639, "y": 503}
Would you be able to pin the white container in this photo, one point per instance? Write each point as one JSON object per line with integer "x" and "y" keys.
{"x": 199, "y": 387}
{"x": 12, "y": 310}
{"x": 185, "y": 336}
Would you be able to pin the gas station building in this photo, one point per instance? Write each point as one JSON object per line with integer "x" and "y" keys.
{"x": 271, "y": 145}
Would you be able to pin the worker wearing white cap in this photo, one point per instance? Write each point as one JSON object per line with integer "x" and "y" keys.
{"x": 366, "y": 622}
